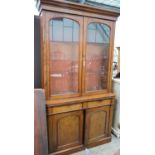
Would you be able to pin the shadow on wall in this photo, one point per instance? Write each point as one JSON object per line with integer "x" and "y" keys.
{"x": 37, "y": 54}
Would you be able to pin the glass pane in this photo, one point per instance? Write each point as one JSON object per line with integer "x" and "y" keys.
{"x": 97, "y": 57}
{"x": 75, "y": 32}
{"x": 68, "y": 22}
{"x": 99, "y": 34}
{"x": 92, "y": 26}
{"x": 64, "y": 58}
{"x": 91, "y": 36}
{"x": 57, "y": 30}
{"x": 68, "y": 32}
{"x": 107, "y": 33}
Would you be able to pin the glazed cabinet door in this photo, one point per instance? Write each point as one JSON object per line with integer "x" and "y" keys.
{"x": 98, "y": 49}
{"x": 96, "y": 125}
{"x": 65, "y": 131}
{"x": 63, "y": 52}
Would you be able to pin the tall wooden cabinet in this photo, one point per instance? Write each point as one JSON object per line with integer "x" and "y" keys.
{"x": 76, "y": 58}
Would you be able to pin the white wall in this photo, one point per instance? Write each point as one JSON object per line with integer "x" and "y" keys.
{"x": 117, "y": 33}
{"x": 35, "y": 9}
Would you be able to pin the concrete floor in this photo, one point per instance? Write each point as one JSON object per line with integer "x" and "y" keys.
{"x": 105, "y": 149}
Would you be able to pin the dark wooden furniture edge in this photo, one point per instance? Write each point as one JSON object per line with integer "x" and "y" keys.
{"x": 79, "y": 7}
{"x": 40, "y": 126}
{"x": 69, "y": 151}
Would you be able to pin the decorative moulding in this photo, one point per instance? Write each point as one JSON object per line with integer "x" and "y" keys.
{"x": 77, "y": 6}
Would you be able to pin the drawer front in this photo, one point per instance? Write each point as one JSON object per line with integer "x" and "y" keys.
{"x": 61, "y": 109}
{"x": 94, "y": 104}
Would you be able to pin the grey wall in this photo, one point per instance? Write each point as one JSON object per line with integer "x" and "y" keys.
{"x": 37, "y": 54}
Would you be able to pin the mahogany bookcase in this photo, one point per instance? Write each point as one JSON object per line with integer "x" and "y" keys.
{"x": 77, "y": 42}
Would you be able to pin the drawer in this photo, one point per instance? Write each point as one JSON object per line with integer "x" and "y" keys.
{"x": 66, "y": 108}
{"x": 94, "y": 104}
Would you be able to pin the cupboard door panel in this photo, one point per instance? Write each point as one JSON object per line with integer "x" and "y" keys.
{"x": 64, "y": 56}
{"x": 64, "y": 64}
{"x": 97, "y": 55}
{"x": 73, "y": 131}
{"x": 67, "y": 131}
{"x": 97, "y": 120}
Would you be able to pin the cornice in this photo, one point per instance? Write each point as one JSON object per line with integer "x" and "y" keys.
{"x": 78, "y": 7}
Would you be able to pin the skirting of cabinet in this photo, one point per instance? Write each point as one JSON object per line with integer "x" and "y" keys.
{"x": 80, "y": 148}
{"x": 99, "y": 142}
{"x": 69, "y": 151}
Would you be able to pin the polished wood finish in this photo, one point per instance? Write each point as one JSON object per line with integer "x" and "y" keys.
{"x": 40, "y": 126}
{"x": 97, "y": 103}
{"x": 76, "y": 100}
{"x": 65, "y": 131}
{"x": 83, "y": 118}
{"x": 67, "y": 108}
{"x": 96, "y": 124}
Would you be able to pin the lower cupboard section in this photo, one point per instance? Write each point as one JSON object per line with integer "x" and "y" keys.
{"x": 73, "y": 131}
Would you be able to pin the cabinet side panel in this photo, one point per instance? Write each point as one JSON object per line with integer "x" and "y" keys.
{"x": 43, "y": 41}
{"x": 111, "y": 51}
{"x": 110, "y": 118}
